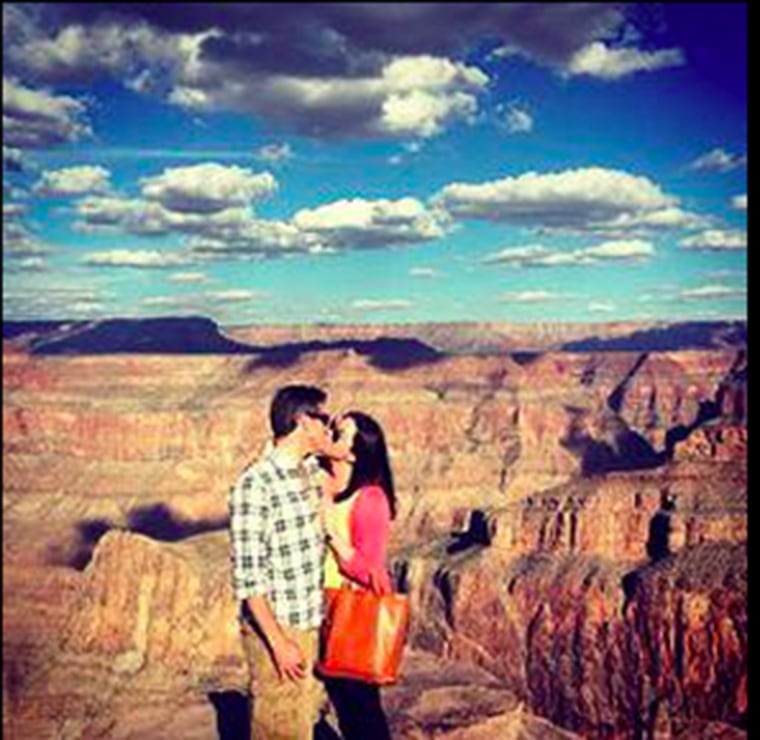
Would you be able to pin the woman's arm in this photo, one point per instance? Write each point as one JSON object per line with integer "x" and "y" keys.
{"x": 370, "y": 528}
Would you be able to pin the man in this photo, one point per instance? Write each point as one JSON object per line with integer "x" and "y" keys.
{"x": 277, "y": 553}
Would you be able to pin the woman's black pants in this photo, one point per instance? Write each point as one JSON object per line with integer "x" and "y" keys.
{"x": 360, "y": 712}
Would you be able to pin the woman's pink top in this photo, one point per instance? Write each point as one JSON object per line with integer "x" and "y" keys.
{"x": 370, "y": 524}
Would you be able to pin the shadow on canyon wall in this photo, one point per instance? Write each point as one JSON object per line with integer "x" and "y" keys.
{"x": 478, "y": 533}
{"x": 201, "y": 336}
{"x": 620, "y": 449}
{"x": 679, "y": 336}
{"x": 89, "y": 533}
{"x": 617, "y": 447}
{"x": 526, "y": 358}
{"x": 384, "y": 353}
{"x": 157, "y": 522}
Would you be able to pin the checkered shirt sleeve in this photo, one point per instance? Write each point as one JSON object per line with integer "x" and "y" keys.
{"x": 250, "y": 511}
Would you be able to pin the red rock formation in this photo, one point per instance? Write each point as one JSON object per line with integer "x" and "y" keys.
{"x": 152, "y": 632}
{"x": 553, "y": 472}
{"x": 596, "y": 647}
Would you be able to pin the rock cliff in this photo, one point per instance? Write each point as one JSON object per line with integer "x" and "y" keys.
{"x": 571, "y": 532}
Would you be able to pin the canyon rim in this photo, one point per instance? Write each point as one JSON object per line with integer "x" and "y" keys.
{"x": 572, "y": 524}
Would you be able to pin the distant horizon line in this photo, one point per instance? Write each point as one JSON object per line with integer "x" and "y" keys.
{"x": 552, "y": 322}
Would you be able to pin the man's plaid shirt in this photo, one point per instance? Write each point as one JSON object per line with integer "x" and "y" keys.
{"x": 277, "y": 540}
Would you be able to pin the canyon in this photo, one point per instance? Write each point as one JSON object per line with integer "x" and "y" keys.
{"x": 572, "y": 522}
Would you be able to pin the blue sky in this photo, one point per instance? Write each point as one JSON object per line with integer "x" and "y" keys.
{"x": 385, "y": 162}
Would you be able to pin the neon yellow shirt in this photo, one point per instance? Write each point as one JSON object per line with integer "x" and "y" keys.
{"x": 340, "y": 518}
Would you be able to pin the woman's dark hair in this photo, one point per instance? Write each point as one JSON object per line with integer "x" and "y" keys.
{"x": 291, "y": 401}
{"x": 371, "y": 466}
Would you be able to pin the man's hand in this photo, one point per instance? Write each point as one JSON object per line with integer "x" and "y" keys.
{"x": 289, "y": 660}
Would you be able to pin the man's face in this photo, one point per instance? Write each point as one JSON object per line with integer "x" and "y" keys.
{"x": 316, "y": 427}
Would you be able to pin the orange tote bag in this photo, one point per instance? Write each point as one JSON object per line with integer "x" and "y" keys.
{"x": 363, "y": 635}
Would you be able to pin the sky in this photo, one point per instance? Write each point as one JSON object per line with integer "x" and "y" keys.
{"x": 296, "y": 163}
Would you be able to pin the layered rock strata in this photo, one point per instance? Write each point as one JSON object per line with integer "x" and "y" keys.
{"x": 571, "y": 532}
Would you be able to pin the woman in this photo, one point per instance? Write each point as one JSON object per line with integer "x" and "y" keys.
{"x": 359, "y": 506}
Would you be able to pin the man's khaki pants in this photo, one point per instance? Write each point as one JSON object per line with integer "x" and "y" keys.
{"x": 282, "y": 709}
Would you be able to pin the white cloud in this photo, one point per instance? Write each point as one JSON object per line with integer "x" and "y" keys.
{"x": 134, "y": 52}
{"x": 85, "y": 309}
{"x": 726, "y": 273}
{"x": 716, "y": 240}
{"x": 586, "y": 198}
{"x": 423, "y": 113}
{"x": 529, "y": 296}
{"x": 739, "y": 202}
{"x": 36, "y": 119}
{"x": 53, "y": 294}
{"x": 235, "y": 232}
{"x": 422, "y": 93}
{"x": 341, "y": 71}
{"x": 18, "y": 240}
{"x": 188, "y": 277}
{"x": 234, "y": 295}
{"x": 620, "y": 250}
{"x": 708, "y": 292}
{"x": 26, "y": 264}
{"x": 249, "y": 238}
{"x": 360, "y": 223}
{"x": 409, "y": 149}
{"x": 232, "y": 232}
{"x": 601, "y": 307}
{"x": 424, "y": 272}
{"x": 146, "y": 218}
{"x": 12, "y": 191}
{"x": 601, "y": 61}
{"x": 74, "y": 181}
{"x": 160, "y": 300}
{"x": 189, "y": 97}
{"x": 392, "y": 304}
{"x": 670, "y": 217}
{"x": 13, "y": 159}
{"x": 207, "y": 188}
{"x": 328, "y": 38}
{"x": 518, "y": 120}
{"x": 148, "y": 259}
{"x": 131, "y": 215}
{"x": 408, "y": 96}
{"x": 536, "y": 255}
{"x": 13, "y": 211}
{"x": 275, "y": 153}
{"x": 718, "y": 160}
{"x": 517, "y": 255}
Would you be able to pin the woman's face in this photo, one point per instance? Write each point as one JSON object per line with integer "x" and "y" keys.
{"x": 345, "y": 428}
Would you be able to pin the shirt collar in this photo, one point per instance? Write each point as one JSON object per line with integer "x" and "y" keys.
{"x": 283, "y": 458}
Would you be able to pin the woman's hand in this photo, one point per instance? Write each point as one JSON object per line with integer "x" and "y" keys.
{"x": 379, "y": 581}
